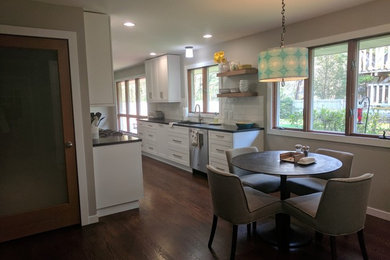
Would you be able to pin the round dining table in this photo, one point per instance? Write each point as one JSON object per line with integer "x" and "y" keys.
{"x": 283, "y": 234}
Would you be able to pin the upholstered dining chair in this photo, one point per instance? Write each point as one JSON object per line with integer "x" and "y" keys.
{"x": 258, "y": 181}
{"x": 307, "y": 185}
{"x": 237, "y": 204}
{"x": 339, "y": 210}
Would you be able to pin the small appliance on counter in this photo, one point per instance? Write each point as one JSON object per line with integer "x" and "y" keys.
{"x": 157, "y": 115}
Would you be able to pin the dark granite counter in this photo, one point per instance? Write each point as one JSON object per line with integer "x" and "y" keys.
{"x": 112, "y": 140}
{"x": 208, "y": 126}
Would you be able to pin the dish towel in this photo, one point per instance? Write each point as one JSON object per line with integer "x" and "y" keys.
{"x": 171, "y": 124}
{"x": 194, "y": 137}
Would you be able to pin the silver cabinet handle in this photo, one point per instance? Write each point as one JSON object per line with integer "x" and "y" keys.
{"x": 150, "y": 135}
{"x": 161, "y": 94}
{"x": 177, "y": 156}
{"x": 150, "y": 95}
{"x": 176, "y": 141}
{"x": 151, "y": 148}
{"x": 220, "y": 150}
{"x": 68, "y": 144}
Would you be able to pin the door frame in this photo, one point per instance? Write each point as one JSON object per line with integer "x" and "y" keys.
{"x": 84, "y": 195}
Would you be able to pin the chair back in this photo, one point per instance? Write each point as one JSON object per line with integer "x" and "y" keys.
{"x": 343, "y": 205}
{"x": 227, "y": 195}
{"x": 345, "y": 170}
{"x": 231, "y": 153}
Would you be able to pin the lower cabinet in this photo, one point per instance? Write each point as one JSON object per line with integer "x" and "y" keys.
{"x": 165, "y": 142}
{"x": 118, "y": 177}
{"x": 219, "y": 142}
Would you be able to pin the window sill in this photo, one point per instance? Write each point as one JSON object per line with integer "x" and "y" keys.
{"x": 332, "y": 138}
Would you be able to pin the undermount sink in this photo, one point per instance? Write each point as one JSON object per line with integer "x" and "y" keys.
{"x": 187, "y": 122}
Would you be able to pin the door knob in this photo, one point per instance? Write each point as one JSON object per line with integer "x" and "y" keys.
{"x": 68, "y": 144}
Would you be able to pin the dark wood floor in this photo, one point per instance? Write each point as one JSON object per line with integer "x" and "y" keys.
{"x": 173, "y": 222}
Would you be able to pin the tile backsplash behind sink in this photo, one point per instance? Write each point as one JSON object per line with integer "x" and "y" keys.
{"x": 232, "y": 110}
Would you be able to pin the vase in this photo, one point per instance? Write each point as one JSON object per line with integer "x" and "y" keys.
{"x": 223, "y": 67}
{"x": 95, "y": 132}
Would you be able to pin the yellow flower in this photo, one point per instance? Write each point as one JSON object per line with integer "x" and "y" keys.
{"x": 219, "y": 56}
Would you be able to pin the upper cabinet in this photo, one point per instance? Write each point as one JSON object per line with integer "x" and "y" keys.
{"x": 163, "y": 79}
{"x": 99, "y": 59}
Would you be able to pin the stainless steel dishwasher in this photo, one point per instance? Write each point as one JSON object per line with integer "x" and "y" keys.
{"x": 199, "y": 149}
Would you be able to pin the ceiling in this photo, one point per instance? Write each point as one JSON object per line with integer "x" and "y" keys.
{"x": 167, "y": 26}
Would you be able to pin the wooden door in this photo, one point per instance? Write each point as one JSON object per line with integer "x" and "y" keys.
{"x": 38, "y": 176}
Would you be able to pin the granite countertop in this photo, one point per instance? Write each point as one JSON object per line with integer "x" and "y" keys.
{"x": 112, "y": 140}
{"x": 222, "y": 127}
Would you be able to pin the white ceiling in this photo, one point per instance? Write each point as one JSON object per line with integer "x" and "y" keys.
{"x": 167, "y": 26}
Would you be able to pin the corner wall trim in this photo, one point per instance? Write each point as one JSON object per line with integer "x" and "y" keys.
{"x": 91, "y": 220}
{"x": 378, "y": 213}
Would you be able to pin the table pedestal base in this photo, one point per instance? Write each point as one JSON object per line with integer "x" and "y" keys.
{"x": 292, "y": 237}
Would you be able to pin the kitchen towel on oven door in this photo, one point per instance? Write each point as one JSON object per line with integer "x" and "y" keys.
{"x": 194, "y": 137}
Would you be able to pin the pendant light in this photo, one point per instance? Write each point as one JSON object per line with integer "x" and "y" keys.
{"x": 189, "y": 52}
{"x": 283, "y": 63}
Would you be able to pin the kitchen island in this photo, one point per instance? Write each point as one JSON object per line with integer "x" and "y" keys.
{"x": 118, "y": 173}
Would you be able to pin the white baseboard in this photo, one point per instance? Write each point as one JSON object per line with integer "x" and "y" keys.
{"x": 378, "y": 213}
{"x": 93, "y": 219}
{"x": 117, "y": 208}
{"x": 177, "y": 165}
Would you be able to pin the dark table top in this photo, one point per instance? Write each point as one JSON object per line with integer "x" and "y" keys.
{"x": 269, "y": 162}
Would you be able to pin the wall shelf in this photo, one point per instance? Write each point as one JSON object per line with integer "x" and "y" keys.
{"x": 237, "y": 72}
{"x": 238, "y": 94}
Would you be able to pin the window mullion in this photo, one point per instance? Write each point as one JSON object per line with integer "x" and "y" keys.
{"x": 137, "y": 97}
{"x": 127, "y": 86}
{"x": 189, "y": 79}
{"x": 204, "y": 89}
{"x": 308, "y": 90}
{"x": 351, "y": 86}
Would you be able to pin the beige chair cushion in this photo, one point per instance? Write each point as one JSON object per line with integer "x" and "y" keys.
{"x": 259, "y": 181}
{"x": 341, "y": 209}
{"x": 236, "y": 204}
{"x": 306, "y": 185}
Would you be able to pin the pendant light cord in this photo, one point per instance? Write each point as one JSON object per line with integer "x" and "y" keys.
{"x": 283, "y": 25}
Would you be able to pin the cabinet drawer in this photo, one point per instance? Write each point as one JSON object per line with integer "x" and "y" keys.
{"x": 178, "y": 130}
{"x": 149, "y": 147}
{"x": 221, "y": 137}
{"x": 178, "y": 141}
{"x": 219, "y": 159}
{"x": 218, "y": 150}
{"x": 179, "y": 157}
{"x": 149, "y": 135}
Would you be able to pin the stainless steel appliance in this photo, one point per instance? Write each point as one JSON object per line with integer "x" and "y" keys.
{"x": 199, "y": 149}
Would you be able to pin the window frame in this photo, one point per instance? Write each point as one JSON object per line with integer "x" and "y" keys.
{"x": 204, "y": 87}
{"x": 351, "y": 85}
{"x": 138, "y": 101}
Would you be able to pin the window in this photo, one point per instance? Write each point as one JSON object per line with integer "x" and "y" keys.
{"x": 203, "y": 87}
{"x": 347, "y": 91}
{"x": 132, "y": 104}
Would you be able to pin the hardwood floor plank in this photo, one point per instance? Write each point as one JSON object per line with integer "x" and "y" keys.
{"x": 174, "y": 222}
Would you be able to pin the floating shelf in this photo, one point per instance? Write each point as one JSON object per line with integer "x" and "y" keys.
{"x": 238, "y": 94}
{"x": 237, "y": 72}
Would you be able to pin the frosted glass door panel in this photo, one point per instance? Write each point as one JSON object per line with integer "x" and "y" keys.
{"x": 32, "y": 158}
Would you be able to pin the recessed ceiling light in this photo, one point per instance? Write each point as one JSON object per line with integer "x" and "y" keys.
{"x": 206, "y": 36}
{"x": 129, "y": 24}
{"x": 152, "y": 54}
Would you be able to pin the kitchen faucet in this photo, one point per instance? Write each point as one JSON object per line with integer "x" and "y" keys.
{"x": 199, "y": 118}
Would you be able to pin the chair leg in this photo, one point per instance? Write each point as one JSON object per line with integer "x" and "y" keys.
{"x": 362, "y": 244}
{"x": 254, "y": 224}
{"x": 333, "y": 247}
{"x": 319, "y": 236}
{"x": 213, "y": 227}
{"x": 234, "y": 242}
{"x": 248, "y": 229}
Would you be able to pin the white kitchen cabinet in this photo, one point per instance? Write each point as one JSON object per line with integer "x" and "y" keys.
{"x": 163, "y": 80}
{"x": 179, "y": 145}
{"x": 99, "y": 59}
{"x": 219, "y": 142}
{"x": 154, "y": 138}
{"x": 118, "y": 177}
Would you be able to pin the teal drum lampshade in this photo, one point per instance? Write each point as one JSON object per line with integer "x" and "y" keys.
{"x": 283, "y": 64}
